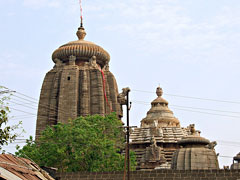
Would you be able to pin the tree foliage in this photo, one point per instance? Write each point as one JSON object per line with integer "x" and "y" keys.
{"x": 7, "y": 133}
{"x": 90, "y": 143}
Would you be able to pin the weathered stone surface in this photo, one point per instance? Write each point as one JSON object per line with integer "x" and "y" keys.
{"x": 195, "y": 153}
{"x": 78, "y": 85}
{"x": 160, "y": 115}
{"x": 153, "y": 157}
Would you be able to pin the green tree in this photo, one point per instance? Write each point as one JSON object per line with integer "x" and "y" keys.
{"x": 90, "y": 143}
{"x": 7, "y": 133}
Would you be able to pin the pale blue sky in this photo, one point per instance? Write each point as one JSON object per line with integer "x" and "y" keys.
{"x": 189, "y": 47}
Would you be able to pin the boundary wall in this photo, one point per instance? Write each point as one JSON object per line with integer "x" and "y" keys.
{"x": 154, "y": 175}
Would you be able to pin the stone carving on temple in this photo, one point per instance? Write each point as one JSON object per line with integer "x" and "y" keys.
{"x": 72, "y": 60}
{"x": 236, "y": 162}
{"x": 58, "y": 64}
{"x": 106, "y": 67}
{"x": 122, "y": 96}
{"x": 153, "y": 156}
{"x": 93, "y": 62}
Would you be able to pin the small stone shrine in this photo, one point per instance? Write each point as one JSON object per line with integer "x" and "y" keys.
{"x": 236, "y": 162}
{"x": 79, "y": 84}
{"x": 195, "y": 152}
{"x": 156, "y": 140}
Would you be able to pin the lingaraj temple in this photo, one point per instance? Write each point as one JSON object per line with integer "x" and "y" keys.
{"x": 81, "y": 84}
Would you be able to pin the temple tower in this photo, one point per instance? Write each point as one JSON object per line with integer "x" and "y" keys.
{"x": 79, "y": 84}
{"x": 164, "y": 128}
{"x": 161, "y": 143}
{"x": 160, "y": 115}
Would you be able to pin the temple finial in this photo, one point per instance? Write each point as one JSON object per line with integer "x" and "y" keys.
{"x": 159, "y": 91}
{"x": 81, "y": 23}
{"x": 81, "y": 31}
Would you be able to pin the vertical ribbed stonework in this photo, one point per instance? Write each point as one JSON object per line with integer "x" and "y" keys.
{"x": 96, "y": 92}
{"x": 84, "y": 92}
{"x": 53, "y": 101}
{"x": 68, "y": 96}
{"x": 101, "y": 98}
{"x": 47, "y": 108}
{"x": 76, "y": 85}
{"x": 108, "y": 102}
{"x": 113, "y": 92}
{"x": 196, "y": 152}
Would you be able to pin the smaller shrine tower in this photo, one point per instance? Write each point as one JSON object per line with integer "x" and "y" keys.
{"x": 156, "y": 140}
{"x": 161, "y": 143}
{"x": 159, "y": 115}
{"x": 195, "y": 152}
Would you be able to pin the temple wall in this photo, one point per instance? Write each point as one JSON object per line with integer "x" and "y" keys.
{"x": 45, "y": 111}
{"x": 155, "y": 175}
{"x": 97, "y": 105}
{"x": 69, "y": 91}
{"x": 112, "y": 92}
{"x": 68, "y": 97}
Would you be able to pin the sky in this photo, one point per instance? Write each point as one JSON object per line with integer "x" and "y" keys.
{"x": 189, "y": 48}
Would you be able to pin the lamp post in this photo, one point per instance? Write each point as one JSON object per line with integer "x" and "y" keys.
{"x": 128, "y": 134}
{"x": 123, "y": 99}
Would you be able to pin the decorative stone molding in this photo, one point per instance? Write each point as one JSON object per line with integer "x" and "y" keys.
{"x": 106, "y": 67}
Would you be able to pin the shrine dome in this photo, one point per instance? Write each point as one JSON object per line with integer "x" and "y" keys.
{"x": 82, "y": 50}
{"x": 159, "y": 115}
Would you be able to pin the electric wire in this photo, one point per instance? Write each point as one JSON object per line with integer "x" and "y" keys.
{"x": 207, "y": 113}
{"x": 187, "y": 108}
{"x": 36, "y": 101}
{"x": 56, "y": 109}
{"x": 206, "y": 109}
{"x": 141, "y": 102}
{"x": 191, "y": 97}
{"x": 175, "y": 106}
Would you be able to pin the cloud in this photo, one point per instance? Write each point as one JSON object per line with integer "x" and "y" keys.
{"x": 168, "y": 24}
